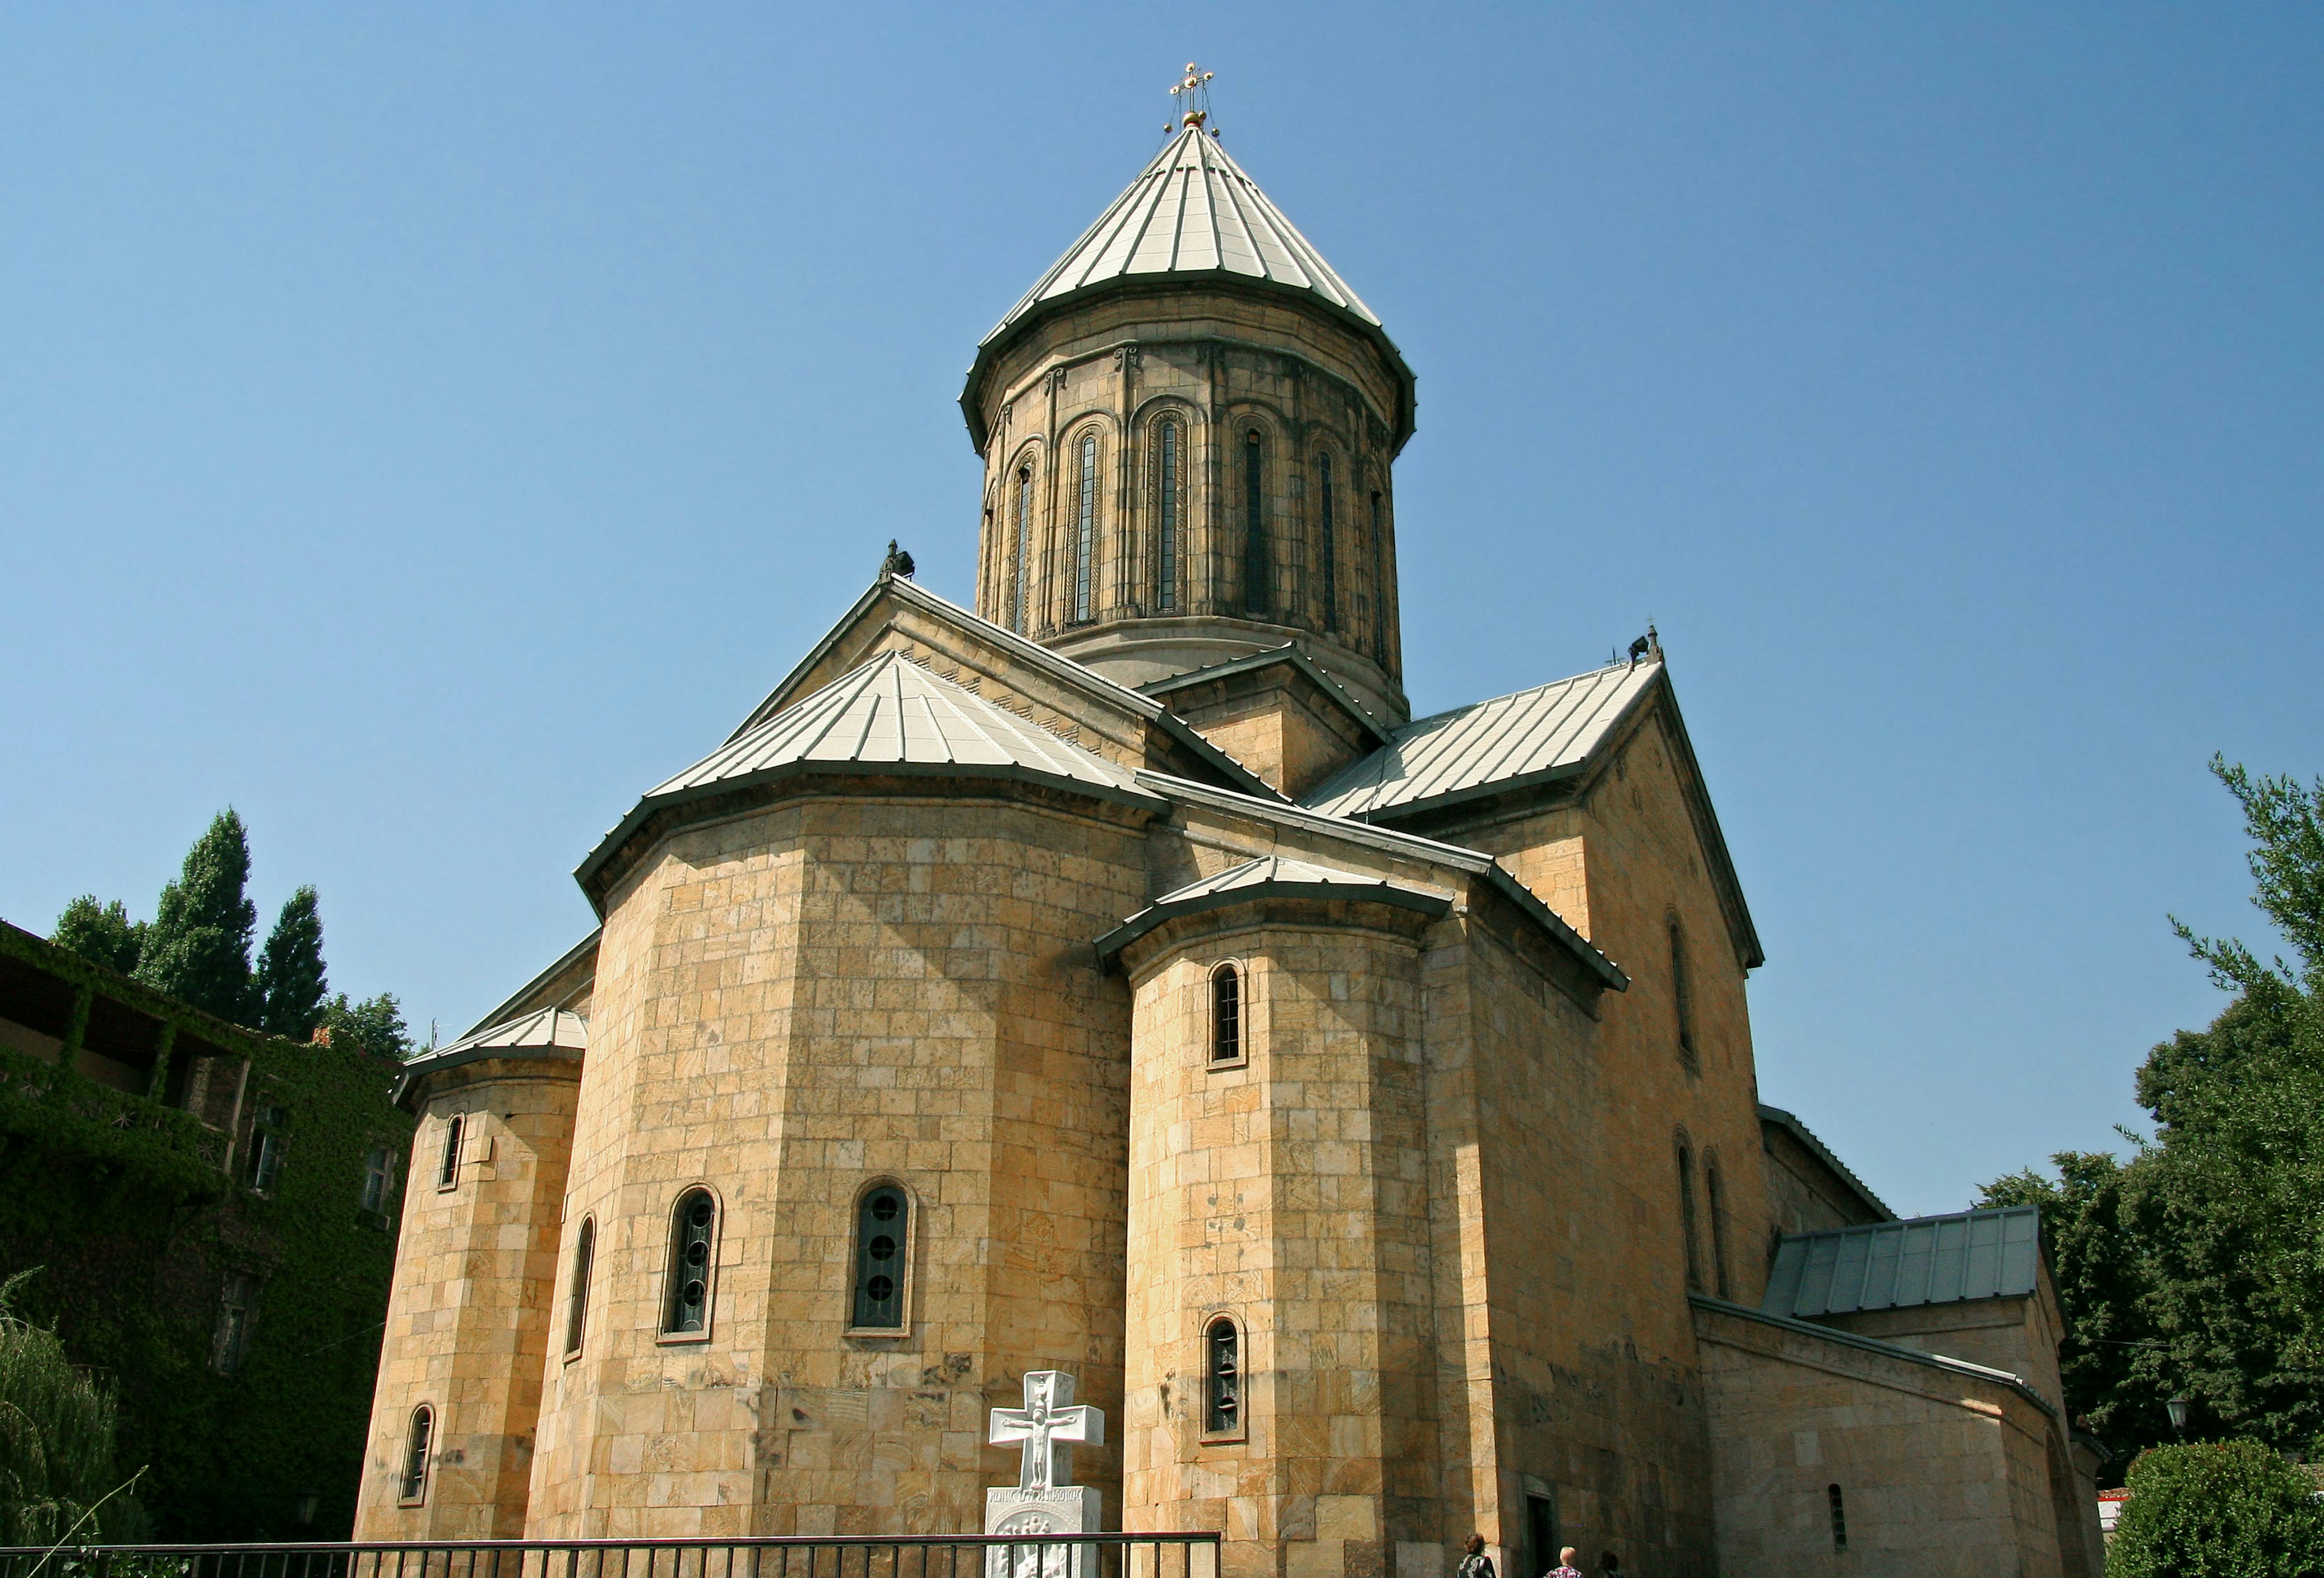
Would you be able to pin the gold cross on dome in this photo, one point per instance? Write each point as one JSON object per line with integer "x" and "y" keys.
{"x": 1195, "y": 88}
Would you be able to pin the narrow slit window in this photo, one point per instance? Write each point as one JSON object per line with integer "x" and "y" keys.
{"x": 1716, "y": 1192}
{"x": 1085, "y": 529}
{"x": 447, "y": 1175}
{"x": 576, "y": 1309}
{"x": 1331, "y": 552}
{"x": 1686, "y": 1217}
{"x": 1681, "y": 997}
{"x": 1226, "y": 1014}
{"x": 413, "y": 1490}
{"x": 1016, "y": 591}
{"x": 1380, "y": 580}
{"x": 1257, "y": 562}
{"x": 1165, "y": 514}
{"x": 1223, "y": 1389}
{"x": 1839, "y": 1518}
{"x": 882, "y": 1242}
{"x": 693, "y": 1225}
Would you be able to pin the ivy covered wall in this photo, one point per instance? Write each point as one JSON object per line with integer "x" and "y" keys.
{"x": 212, "y": 1234}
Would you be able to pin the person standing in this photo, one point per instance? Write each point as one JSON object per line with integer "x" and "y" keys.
{"x": 1565, "y": 1567}
{"x": 1476, "y": 1564}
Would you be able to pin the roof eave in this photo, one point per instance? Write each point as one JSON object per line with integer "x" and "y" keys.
{"x": 1007, "y": 333}
{"x": 1110, "y": 945}
{"x": 1288, "y": 652}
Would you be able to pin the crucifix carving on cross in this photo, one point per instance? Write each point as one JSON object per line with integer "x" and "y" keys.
{"x": 1048, "y": 1425}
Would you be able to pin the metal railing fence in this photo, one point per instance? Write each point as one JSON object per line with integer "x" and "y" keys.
{"x": 1079, "y": 1556}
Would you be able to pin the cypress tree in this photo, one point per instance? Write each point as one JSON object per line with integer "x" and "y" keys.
{"x": 100, "y": 932}
{"x": 197, "y": 945}
{"x": 289, "y": 983}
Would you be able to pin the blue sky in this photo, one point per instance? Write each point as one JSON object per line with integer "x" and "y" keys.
{"x": 424, "y": 427}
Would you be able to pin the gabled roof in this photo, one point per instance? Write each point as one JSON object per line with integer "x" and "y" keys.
{"x": 1289, "y": 653}
{"x": 1192, "y": 214}
{"x": 552, "y": 1032}
{"x": 1840, "y": 1171}
{"x": 1074, "y": 676}
{"x": 1897, "y": 1265}
{"x": 1531, "y": 736}
{"x": 890, "y": 716}
{"x": 1269, "y": 876}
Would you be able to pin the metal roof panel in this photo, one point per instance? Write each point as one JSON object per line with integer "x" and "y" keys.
{"x": 1992, "y": 1253}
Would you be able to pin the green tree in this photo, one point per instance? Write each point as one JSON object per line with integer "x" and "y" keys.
{"x": 2232, "y": 1510}
{"x": 101, "y": 932}
{"x": 289, "y": 983}
{"x": 57, "y": 1426}
{"x": 197, "y": 947}
{"x": 376, "y": 1024}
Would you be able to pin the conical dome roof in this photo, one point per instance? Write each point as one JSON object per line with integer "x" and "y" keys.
{"x": 1193, "y": 214}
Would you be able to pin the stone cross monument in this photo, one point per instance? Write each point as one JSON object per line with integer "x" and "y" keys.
{"x": 1044, "y": 1502}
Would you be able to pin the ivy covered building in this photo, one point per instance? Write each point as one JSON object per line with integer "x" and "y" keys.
{"x": 212, "y": 1213}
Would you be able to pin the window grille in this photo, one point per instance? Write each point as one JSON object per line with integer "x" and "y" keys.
{"x": 1222, "y": 1393}
{"x": 576, "y": 1307}
{"x": 1226, "y": 1014}
{"x": 413, "y": 1490}
{"x": 1331, "y": 554}
{"x": 1839, "y": 1518}
{"x": 447, "y": 1175}
{"x": 882, "y": 1240}
{"x": 1166, "y": 584}
{"x": 1085, "y": 529}
{"x": 1256, "y": 568}
{"x": 686, "y": 1309}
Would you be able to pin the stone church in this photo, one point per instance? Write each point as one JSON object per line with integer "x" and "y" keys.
{"x": 1117, "y": 979}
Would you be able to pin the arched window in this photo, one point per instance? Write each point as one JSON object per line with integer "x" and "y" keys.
{"x": 576, "y": 1307}
{"x": 1084, "y": 528}
{"x": 413, "y": 1490}
{"x": 882, "y": 1241}
{"x": 447, "y": 1175}
{"x": 693, "y": 1236}
{"x": 1686, "y": 1214}
{"x": 1166, "y": 503}
{"x": 1257, "y": 562}
{"x": 1021, "y": 574}
{"x": 1226, "y": 1014}
{"x": 1380, "y": 580}
{"x": 1681, "y": 999}
{"x": 1715, "y": 1194}
{"x": 1222, "y": 1378}
{"x": 1839, "y": 1518}
{"x": 1331, "y": 552}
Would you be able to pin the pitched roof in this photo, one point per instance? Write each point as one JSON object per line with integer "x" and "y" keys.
{"x": 552, "y": 1032}
{"x": 1289, "y": 653}
{"x": 1897, "y": 1265}
{"x": 1840, "y": 1171}
{"x": 1530, "y": 736}
{"x": 1193, "y": 214}
{"x": 893, "y": 717}
{"x": 1269, "y": 876}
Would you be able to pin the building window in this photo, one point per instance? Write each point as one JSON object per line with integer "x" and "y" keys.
{"x": 1020, "y": 585}
{"x": 1380, "y": 578}
{"x": 1716, "y": 1193}
{"x": 413, "y": 1490}
{"x": 1682, "y": 998}
{"x": 1686, "y": 1215}
{"x": 1839, "y": 1518}
{"x": 1226, "y": 1014}
{"x": 447, "y": 1175}
{"x": 266, "y": 1148}
{"x": 1085, "y": 528}
{"x": 686, "y": 1307}
{"x": 1223, "y": 1379}
{"x": 576, "y": 1307}
{"x": 1165, "y": 514}
{"x": 1256, "y": 569}
{"x": 1330, "y": 550}
{"x": 231, "y": 1344}
{"x": 378, "y": 1178}
{"x": 881, "y": 1225}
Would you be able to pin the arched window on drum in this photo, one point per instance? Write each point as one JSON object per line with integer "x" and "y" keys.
{"x": 693, "y": 1265}
{"x": 882, "y": 1247}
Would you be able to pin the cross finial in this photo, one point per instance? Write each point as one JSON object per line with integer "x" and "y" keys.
{"x": 1195, "y": 91}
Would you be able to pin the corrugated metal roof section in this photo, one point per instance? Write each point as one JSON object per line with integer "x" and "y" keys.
{"x": 1274, "y": 870}
{"x": 551, "y": 1029}
{"x": 1532, "y": 733}
{"x": 893, "y": 710}
{"x": 1896, "y": 1264}
{"x": 1193, "y": 210}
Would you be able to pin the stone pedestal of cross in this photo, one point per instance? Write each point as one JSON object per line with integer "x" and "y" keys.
{"x": 1043, "y": 1503}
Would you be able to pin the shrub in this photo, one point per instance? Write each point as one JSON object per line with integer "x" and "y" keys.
{"x": 2229, "y": 1509}
{"x": 55, "y": 1440}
